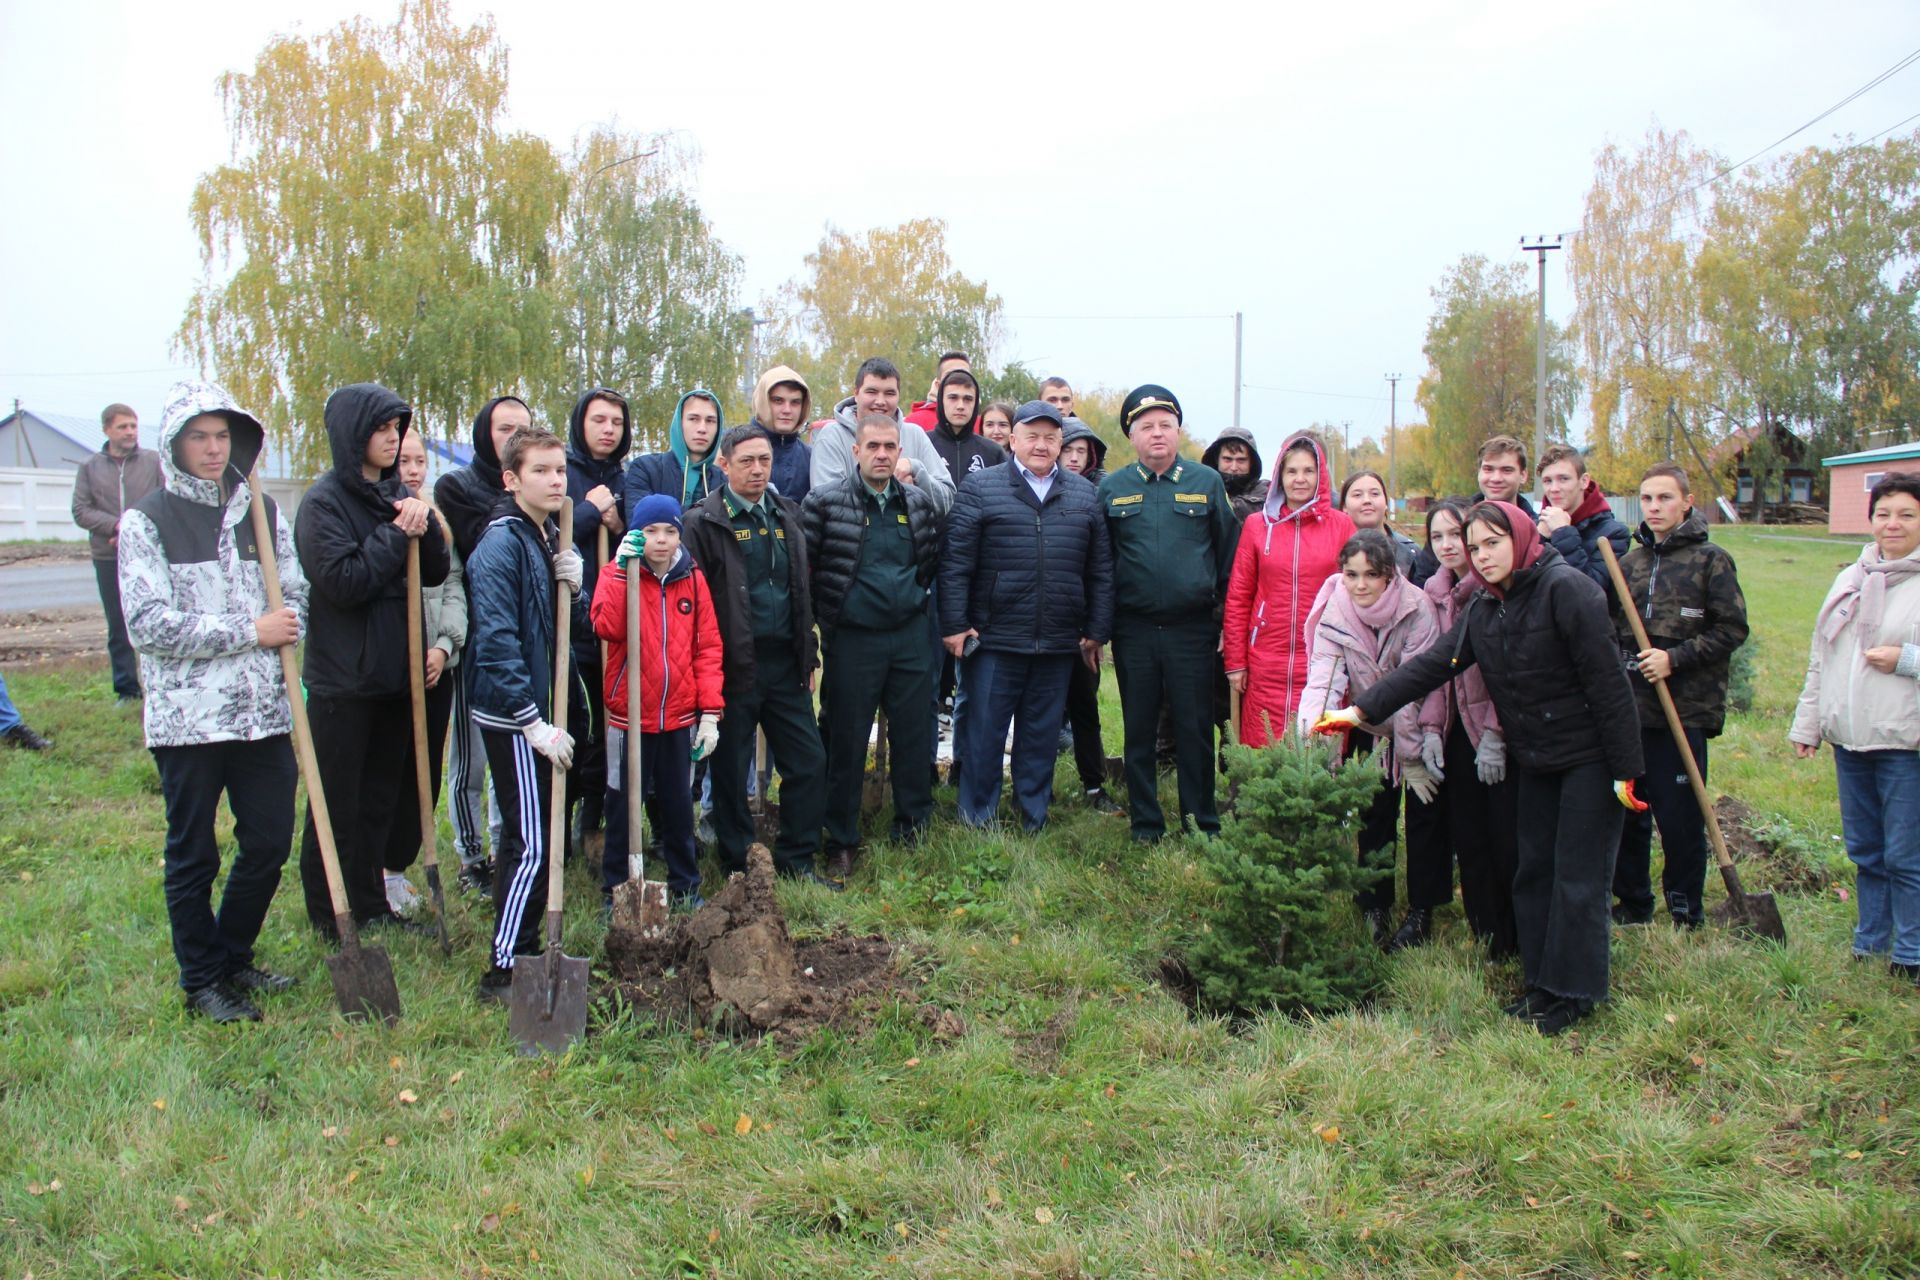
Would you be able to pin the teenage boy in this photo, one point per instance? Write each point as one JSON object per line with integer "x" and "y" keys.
{"x": 106, "y": 486}
{"x": 926, "y": 414}
{"x": 781, "y": 404}
{"x": 874, "y": 546}
{"x": 598, "y": 438}
{"x": 680, "y": 699}
{"x": 748, "y": 540}
{"x": 467, "y": 496}
{"x": 352, "y": 535}
{"x": 876, "y": 389}
{"x": 512, "y": 578}
{"x": 1503, "y": 478}
{"x": 1688, "y": 597}
{"x": 217, "y": 717}
{"x": 1576, "y": 515}
{"x": 685, "y": 471}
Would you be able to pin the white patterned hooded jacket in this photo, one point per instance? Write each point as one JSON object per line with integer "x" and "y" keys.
{"x": 191, "y": 587}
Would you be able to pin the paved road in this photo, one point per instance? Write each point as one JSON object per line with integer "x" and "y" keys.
{"x": 47, "y": 586}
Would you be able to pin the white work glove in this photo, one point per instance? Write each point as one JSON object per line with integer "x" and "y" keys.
{"x": 551, "y": 741}
{"x": 706, "y": 737}
{"x": 1419, "y": 781}
{"x": 1433, "y": 755}
{"x": 1490, "y": 760}
{"x": 569, "y": 568}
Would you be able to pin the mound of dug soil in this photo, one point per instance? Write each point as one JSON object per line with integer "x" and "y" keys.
{"x": 1770, "y": 862}
{"x": 732, "y": 966}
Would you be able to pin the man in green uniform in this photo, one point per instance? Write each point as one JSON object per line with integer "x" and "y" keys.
{"x": 874, "y": 544}
{"x": 1173, "y": 532}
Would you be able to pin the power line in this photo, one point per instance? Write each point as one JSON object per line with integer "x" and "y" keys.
{"x": 98, "y": 373}
{"x": 1220, "y": 317}
{"x": 1298, "y": 391}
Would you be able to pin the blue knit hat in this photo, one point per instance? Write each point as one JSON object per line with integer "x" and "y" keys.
{"x": 656, "y": 508}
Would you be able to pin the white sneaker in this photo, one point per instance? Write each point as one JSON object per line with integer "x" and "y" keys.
{"x": 402, "y": 897}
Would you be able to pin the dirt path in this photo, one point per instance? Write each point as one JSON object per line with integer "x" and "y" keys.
{"x": 32, "y": 636}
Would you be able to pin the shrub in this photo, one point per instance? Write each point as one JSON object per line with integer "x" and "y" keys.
{"x": 1740, "y": 673}
{"x": 1284, "y": 931}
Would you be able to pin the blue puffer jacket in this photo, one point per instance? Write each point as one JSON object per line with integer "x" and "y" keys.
{"x": 509, "y": 657}
{"x": 1030, "y": 577}
{"x": 673, "y": 472}
{"x": 584, "y": 474}
{"x": 1579, "y": 545}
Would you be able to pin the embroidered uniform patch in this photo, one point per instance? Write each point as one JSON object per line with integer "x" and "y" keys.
{"x": 1200, "y": 498}
{"x": 1128, "y": 501}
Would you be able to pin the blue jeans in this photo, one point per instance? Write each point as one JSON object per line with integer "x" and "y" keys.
{"x": 9, "y": 718}
{"x": 1880, "y": 820}
{"x": 1030, "y": 691}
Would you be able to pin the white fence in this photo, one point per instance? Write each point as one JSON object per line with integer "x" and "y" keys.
{"x": 37, "y": 503}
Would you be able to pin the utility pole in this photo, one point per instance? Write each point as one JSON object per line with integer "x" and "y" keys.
{"x": 747, "y": 354}
{"x": 1236, "y": 368}
{"x": 1393, "y": 445}
{"x": 1540, "y": 249}
{"x": 1346, "y": 446}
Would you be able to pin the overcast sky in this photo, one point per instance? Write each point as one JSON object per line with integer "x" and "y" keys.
{"x": 1317, "y": 172}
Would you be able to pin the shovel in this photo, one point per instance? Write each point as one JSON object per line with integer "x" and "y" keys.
{"x": 422, "y": 777}
{"x": 873, "y": 787}
{"x": 601, "y": 560}
{"x": 1233, "y": 716}
{"x": 363, "y": 982}
{"x": 639, "y": 904}
{"x": 766, "y": 815}
{"x": 548, "y": 1009}
{"x": 1754, "y": 913}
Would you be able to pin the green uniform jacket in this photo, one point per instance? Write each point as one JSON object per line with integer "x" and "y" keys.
{"x": 1173, "y": 538}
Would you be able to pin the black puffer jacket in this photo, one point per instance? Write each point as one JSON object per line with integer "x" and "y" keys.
{"x": 1548, "y": 657}
{"x": 708, "y": 534}
{"x": 467, "y": 495}
{"x": 584, "y": 474}
{"x": 964, "y": 450}
{"x": 835, "y": 520}
{"x": 1030, "y": 577}
{"x": 355, "y": 557}
{"x": 1426, "y": 564}
{"x": 1689, "y": 600}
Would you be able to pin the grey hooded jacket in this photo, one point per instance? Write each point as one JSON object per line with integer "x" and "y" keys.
{"x": 833, "y": 455}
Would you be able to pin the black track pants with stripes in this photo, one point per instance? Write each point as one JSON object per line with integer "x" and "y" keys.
{"x": 523, "y": 782}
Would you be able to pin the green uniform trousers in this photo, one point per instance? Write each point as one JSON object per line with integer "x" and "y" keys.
{"x": 1171, "y": 665}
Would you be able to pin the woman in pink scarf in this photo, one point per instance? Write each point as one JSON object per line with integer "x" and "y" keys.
{"x": 1364, "y": 623}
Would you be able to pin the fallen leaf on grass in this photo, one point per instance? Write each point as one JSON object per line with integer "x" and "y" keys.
{"x": 993, "y": 1198}
{"x": 1855, "y": 1155}
{"x": 392, "y": 1141}
{"x": 713, "y": 1236}
{"x": 490, "y": 1223}
{"x": 900, "y": 1229}
{"x": 1533, "y": 1202}
{"x": 331, "y": 1131}
{"x": 1014, "y": 940}
{"x": 394, "y": 1063}
{"x": 1672, "y": 1018}
{"x": 1630, "y": 1255}
{"x": 408, "y": 1097}
{"x": 35, "y": 1189}
{"x": 1330, "y": 1134}
{"x": 586, "y": 1176}
{"x": 159, "y": 1104}
{"x": 913, "y": 1062}
{"x": 1697, "y": 1060}
{"x": 706, "y": 1128}
{"x": 455, "y": 1077}
{"x": 180, "y": 1204}
{"x": 743, "y": 1126}
{"x": 1043, "y": 1215}
{"x": 1109, "y": 1091}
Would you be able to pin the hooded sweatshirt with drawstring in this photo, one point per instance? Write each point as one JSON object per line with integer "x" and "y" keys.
{"x": 792, "y": 456}
{"x": 676, "y": 472}
{"x": 192, "y": 586}
{"x": 586, "y": 473}
{"x": 355, "y": 556}
{"x": 961, "y": 446}
{"x": 1247, "y": 493}
{"x": 1284, "y": 556}
{"x": 833, "y": 455}
{"x": 466, "y": 495}
{"x": 1074, "y": 429}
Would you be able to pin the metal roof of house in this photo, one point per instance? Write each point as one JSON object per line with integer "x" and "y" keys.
{"x": 1891, "y": 453}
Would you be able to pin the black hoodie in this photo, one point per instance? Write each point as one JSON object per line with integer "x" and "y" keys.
{"x": 466, "y": 496}
{"x": 584, "y": 474}
{"x": 355, "y": 557}
{"x": 963, "y": 449}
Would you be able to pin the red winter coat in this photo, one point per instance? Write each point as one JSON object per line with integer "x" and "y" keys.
{"x": 1283, "y": 558}
{"x": 680, "y": 676}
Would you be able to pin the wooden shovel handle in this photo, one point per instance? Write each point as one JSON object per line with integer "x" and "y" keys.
{"x": 417, "y": 686}
{"x": 1679, "y": 731}
{"x": 302, "y": 729}
{"x": 557, "y": 815}
{"x": 636, "y": 807}
{"x": 601, "y": 564}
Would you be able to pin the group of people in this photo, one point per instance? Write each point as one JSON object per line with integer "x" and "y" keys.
{"x": 1489, "y": 671}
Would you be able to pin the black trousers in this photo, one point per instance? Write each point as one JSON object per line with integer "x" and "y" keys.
{"x": 1379, "y": 823}
{"x": 258, "y": 780}
{"x": 780, "y": 704}
{"x": 1083, "y": 717}
{"x": 361, "y": 746}
{"x": 867, "y": 671}
{"x": 1683, "y": 831}
{"x": 1483, "y": 825}
{"x": 403, "y": 833}
{"x": 1569, "y": 834}
{"x": 666, "y": 785}
{"x": 126, "y": 667}
{"x": 523, "y": 782}
{"x": 587, "y": 779}
{"x": 1167, "y": 665}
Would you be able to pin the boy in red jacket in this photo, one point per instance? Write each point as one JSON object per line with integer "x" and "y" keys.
{"x": 680, "y": 683}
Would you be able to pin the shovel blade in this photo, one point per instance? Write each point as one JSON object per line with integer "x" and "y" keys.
{"x": 640, "y": 906}
{"x": 1761, "y": 918}
{"x": 548, "y": 1008}
{"x": 363, "y": 984}
{"x": 766, "y": 825}
{"x": 439, "y": 896}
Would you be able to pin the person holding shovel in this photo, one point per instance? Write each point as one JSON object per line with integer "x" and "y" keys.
{"x": 1862, "y": 694}
{"x": 217, "y": 716}
{"x": 1539, "y": 634}
{"x": 1688, "y": 597}
{"x": 676, "y": 716}
{"x": 598, "y": 440}
{"x": 511, "y": 580}
{"x": 352, "y": 534}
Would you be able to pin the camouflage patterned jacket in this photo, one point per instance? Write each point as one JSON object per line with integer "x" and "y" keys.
{"x": 1688, "y": 598}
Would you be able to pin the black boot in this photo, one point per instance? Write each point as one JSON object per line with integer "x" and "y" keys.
{"x": 1380, "y": 924}
{"x": 221, "y": 1003}
{"x": 1414, "y": 931}
{"x": 255, "y": 979}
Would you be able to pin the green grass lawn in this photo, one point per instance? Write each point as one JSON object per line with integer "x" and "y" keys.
{"x": 1737, "y": 1109}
